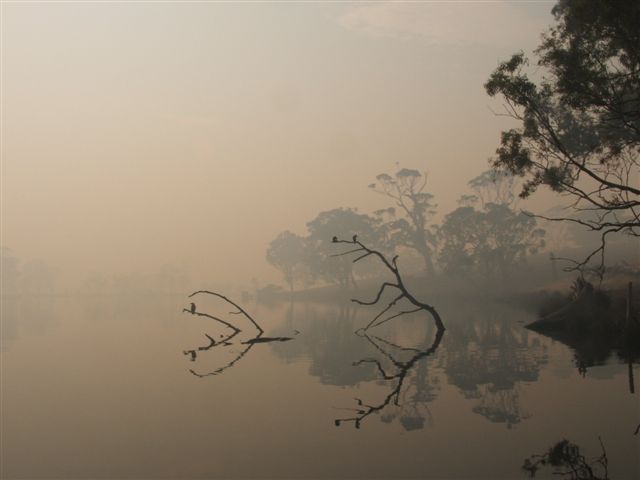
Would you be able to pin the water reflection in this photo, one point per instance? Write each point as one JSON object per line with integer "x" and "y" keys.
{"x": 487, "y": 358}
{"x": 567, "y": 460}
{"x": 399, "y": 373}
{"x": 593, "y": 350}
{"x": 227, "y": 340}
{"x": 329, "y": 343}
{"x": 486, "y": 354}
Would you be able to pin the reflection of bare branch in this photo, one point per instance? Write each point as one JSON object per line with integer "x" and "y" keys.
{"x": 403, "y": 369}
{"x": 228, "y": 365}
{"x": 393, "y": 268}
{"x": 212, "y": 343}
{"x": 225, "y": 342}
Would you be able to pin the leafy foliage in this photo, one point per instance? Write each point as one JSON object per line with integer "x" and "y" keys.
{"x": 487, "y": 241}
{"x": 579, "y": 128}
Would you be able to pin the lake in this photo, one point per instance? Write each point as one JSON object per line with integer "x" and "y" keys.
{"x": 105, "y": 387}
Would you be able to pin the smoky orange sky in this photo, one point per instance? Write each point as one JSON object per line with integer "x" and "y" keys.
{"x": 141, "y": 134}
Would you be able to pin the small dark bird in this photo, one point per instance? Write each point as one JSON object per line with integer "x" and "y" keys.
{"x": 355, "y": 238}
{"x": 193, "y": 308}
{"x": 335, "y": 239}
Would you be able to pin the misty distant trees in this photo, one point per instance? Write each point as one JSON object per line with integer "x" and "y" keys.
{"x": 579, "y": 130}
{"x": 287, "y": 253}
{"x": 409, "y": 229}
{"x": 488, "y": 241}
{"x": 485, "y": 236}
{"x": 312, "y": 258}
{"x": 34, "y": 277}
{"x": 341, "y": 223}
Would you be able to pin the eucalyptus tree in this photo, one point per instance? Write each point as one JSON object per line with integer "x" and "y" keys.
{"x": 579, "y": 124}
{"x": 408, "y": 222}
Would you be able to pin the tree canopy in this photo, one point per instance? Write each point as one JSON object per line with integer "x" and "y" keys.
{"x": 579, "y": 130}
{"x": 287, "y": 253}
{"x": 409, "y": 229}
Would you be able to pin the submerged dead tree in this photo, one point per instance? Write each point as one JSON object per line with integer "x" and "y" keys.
{"x": 398, "y": 285}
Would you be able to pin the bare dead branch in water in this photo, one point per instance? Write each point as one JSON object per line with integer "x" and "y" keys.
{"x": 392, "y": 266}
{"x": 238, "y": 307}
{"x": 226, "y": 340}
{"x": 200, "y": 314}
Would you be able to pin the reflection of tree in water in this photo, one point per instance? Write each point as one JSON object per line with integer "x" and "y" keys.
{"x": 487, "y": 358}
{"x": 405, "y": 371}
{"x": 500, "y": 406}
{"x": 567, "y": 461}
{"x": 329, "y": 343}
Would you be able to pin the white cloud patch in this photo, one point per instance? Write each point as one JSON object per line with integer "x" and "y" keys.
{"x": 463, "y": 24}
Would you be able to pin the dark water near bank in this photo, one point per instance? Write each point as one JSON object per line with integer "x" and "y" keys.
{"x": 100, "y": 388}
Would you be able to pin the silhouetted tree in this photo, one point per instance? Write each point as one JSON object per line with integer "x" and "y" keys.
{"x": 287, "y": 253}
{"x": 407, "y": 189}
{"x": 580, "y": 125}
{"x": 487, "y": 241}
{"x": 493, "y": 186}
{"x": 345, "y": 223}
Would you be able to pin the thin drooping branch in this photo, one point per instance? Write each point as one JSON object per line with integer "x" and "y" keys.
{"x": 238, "y": 307}
{"x": 392, "y": 266}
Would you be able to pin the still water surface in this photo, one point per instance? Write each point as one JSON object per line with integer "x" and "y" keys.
{"x": 102, "y": 388}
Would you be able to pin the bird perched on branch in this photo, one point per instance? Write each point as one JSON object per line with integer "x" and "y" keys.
{"x": 193, "y": 308}
{"x": 334, "y": 239}
{"x": 355, "y": 238}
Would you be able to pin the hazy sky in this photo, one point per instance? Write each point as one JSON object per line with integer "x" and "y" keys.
{"x": 141, "y": 134}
